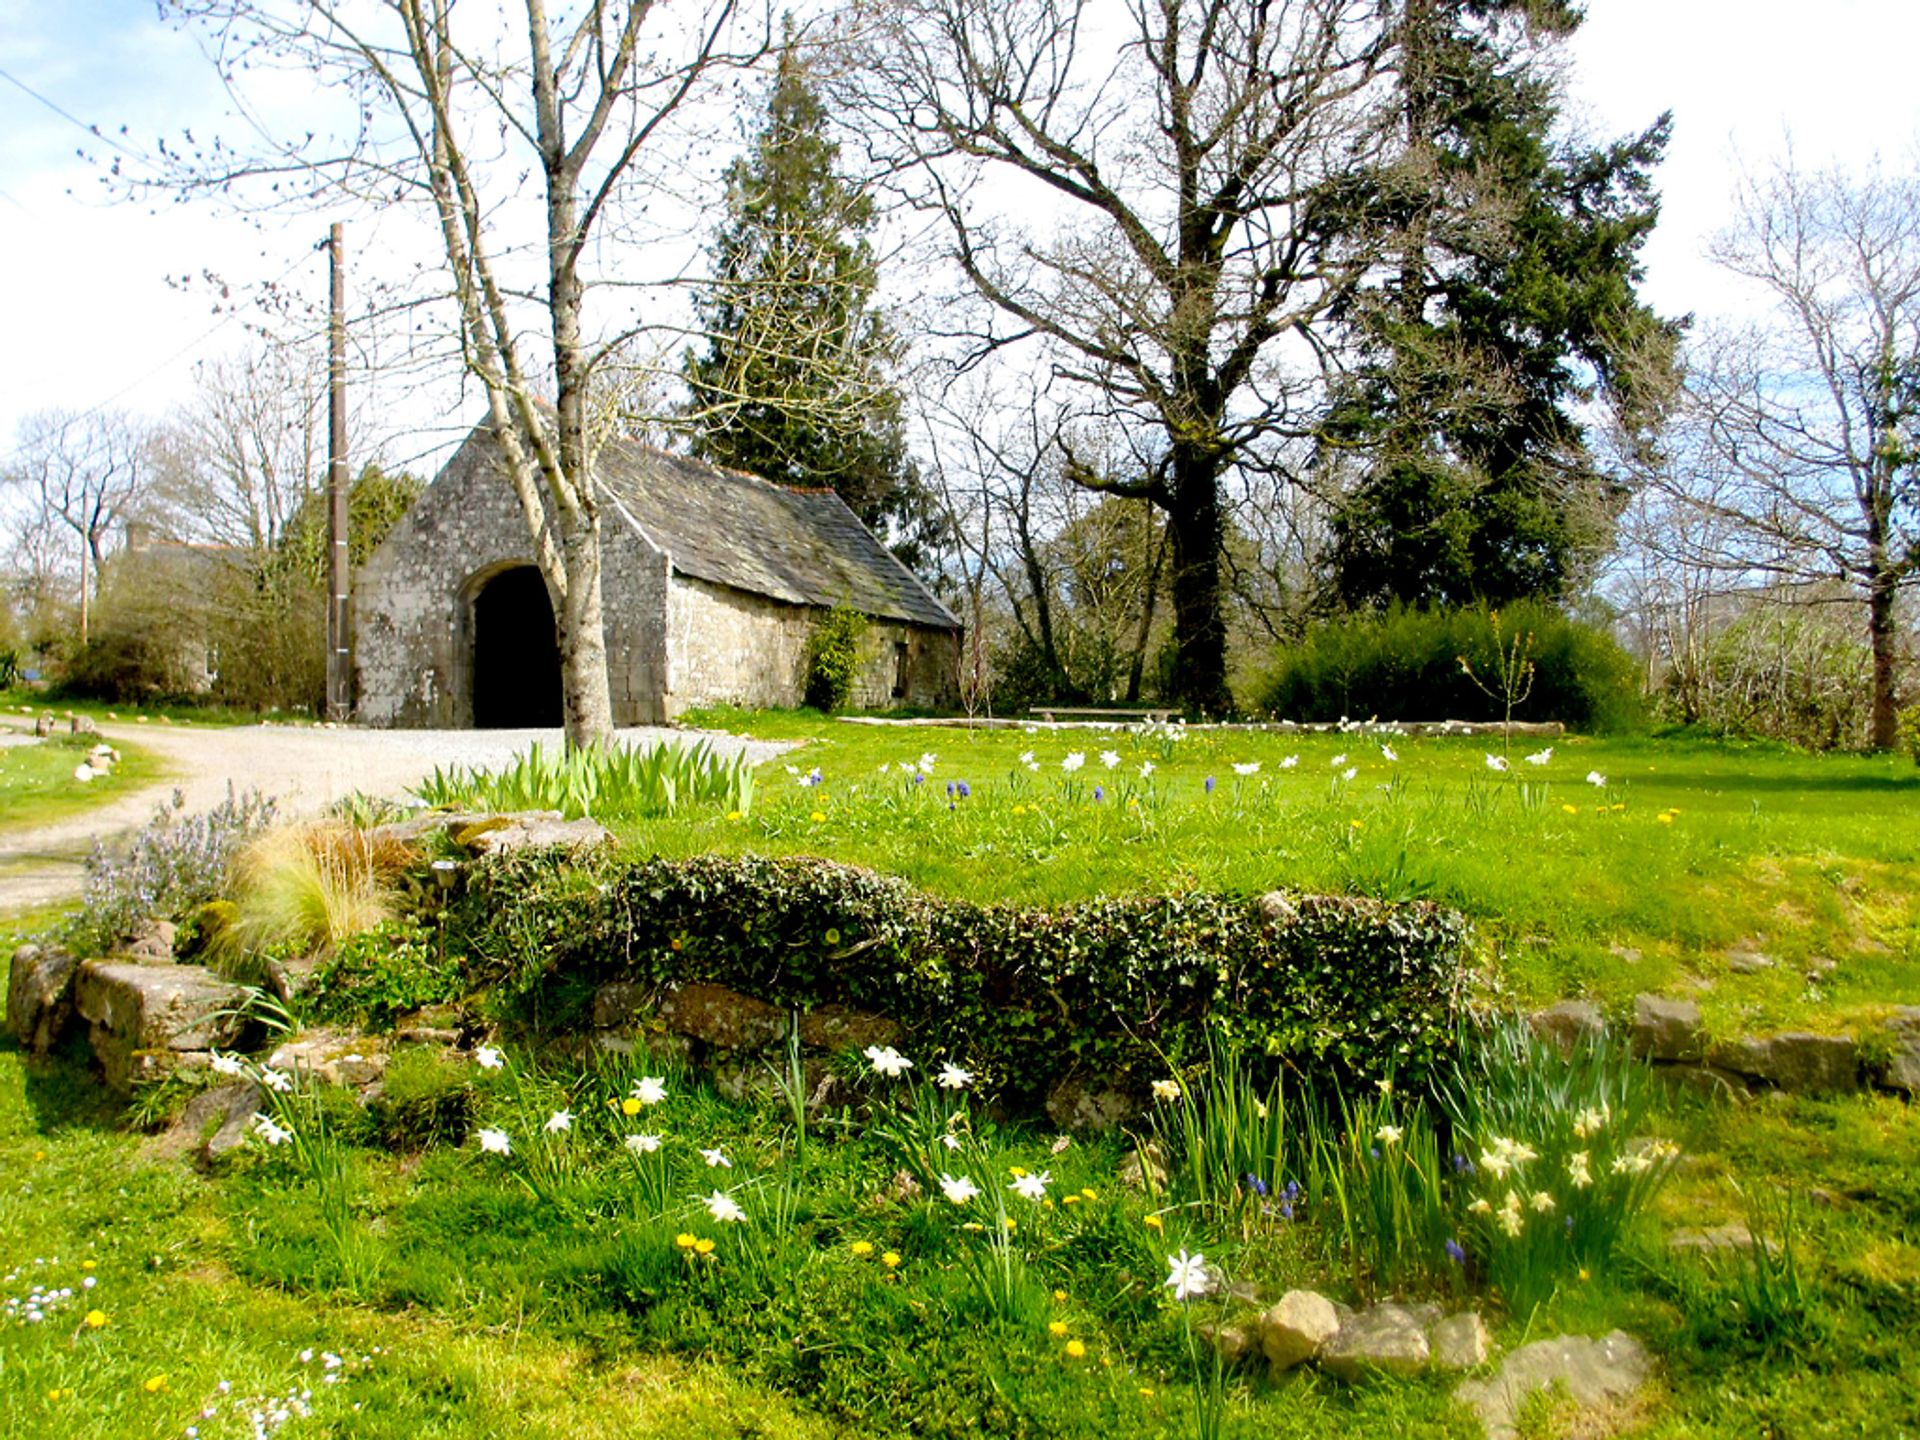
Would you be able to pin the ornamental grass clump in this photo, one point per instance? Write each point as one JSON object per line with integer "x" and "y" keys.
{"x": 306, "y": 888}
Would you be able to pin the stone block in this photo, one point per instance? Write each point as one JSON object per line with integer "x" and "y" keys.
{"x": 1665, "y": 1029}
{"x": 721, "y": 1017}
{"x": 1570, "y": 1023}
{"x": 839, "y": 1027}
{"x": 1077, "y": 1103}
{"x": 1381, "y": 1340}
{"x": 40, "y": 995}
{"x": 1796, "y": 1061}
{"x": 1460, "y": 1342}
{"x": 1591, "y": 1373}
{"x": 1297, "y": 1328}
{"x": 333, "y": 1057}
{"x": 158, "y": 1007}
{"x": 1901, "y": 1070}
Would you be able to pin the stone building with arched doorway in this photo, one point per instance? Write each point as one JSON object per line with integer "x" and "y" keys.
{"x": 712, "y": 582}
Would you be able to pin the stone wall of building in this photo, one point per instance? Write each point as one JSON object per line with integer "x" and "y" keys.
{"x": 729, "y": 646}
{"x": 413, "y": 601}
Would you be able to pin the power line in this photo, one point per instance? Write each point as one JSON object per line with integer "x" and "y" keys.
{"x": 67, "y": 115}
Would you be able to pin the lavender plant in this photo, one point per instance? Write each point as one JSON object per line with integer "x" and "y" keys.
{"x": 174, "y": 863}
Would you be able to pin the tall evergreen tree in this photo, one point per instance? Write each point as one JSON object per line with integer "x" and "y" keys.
{"x": 1506, "y": 303}
{"x": 795, "y": 382}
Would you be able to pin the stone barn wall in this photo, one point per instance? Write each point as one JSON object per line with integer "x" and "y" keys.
{"x": 730, "y": 646}
{"x": 413, "y": 601}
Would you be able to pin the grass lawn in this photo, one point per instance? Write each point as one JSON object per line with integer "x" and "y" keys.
{"x": 1692, "y": 857}
{"x": 37, "y": 784}
{"x": 579, "y": 1285}
{"x": 559, "y": 1291}
{"x": 26, "y": 702}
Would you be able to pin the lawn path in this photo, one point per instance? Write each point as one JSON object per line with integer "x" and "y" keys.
{"x": 306, "y": 767}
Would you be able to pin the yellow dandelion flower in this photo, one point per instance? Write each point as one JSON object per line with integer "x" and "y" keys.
{"x": 733, "y": 815}
{"x": 1091, "y": 1194}
{"x": 1057, "y": 1327}
{"x": 1356, "y": 825}
{"x": 154, "y": 1384}
{"x": 703, "y": 1247}
{"x": 1571, "y": 809}
{"x": 86, "y": 1264}
{"x": 1069, "y": 1199}
{"x": 629, "y": 1106}
{"x": 96, "y": 1318}
{"x": 1019, "y": 809}
{"x": 686, "y": 1241}
{"x": 1154, "y": 1222}
{"x": 1060, "y": 1295}
{"x": 1146, "y": 1392}
{"x": 891, "y": 1259}
{"x": 819, "y": 817}
{"x": 1016, "y": 1171}
{"x": 863, "y": 1248}
{"x": 1664, "y": 819}
{"x": 1076, "y": 1349}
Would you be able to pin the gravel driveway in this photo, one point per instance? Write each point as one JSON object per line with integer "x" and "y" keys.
{"x": 306, "y": 767}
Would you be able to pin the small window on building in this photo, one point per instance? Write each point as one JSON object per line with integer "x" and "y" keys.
{"x": 899, "y": 669}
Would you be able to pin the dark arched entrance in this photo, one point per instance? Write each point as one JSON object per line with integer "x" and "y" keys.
{"x": 516, "y": 656}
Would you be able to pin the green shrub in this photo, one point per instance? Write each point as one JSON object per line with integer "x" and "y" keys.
{"x": 833, "y": 657}
{"x": 1910, "y": 732}
{"x": 383, "y": 973}
{"x": 1103, "y": 990}
{"x": 425, "y": 1098}
{"x": 1406, "y": 665}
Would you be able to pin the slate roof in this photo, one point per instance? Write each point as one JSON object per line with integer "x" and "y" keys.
{"x": 731, "y": 528}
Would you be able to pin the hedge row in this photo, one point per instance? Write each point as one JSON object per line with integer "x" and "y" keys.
{"x": 1098, "y": 990}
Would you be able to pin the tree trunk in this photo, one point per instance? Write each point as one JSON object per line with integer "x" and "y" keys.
{"x": 586, "y": 699}
{"x": 1884, "y": 726}
{"x": 1193, "y": 518}
{"x": 1134, "y": 671}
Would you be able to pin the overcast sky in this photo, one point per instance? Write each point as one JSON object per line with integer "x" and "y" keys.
{"x": 90, "y": 319}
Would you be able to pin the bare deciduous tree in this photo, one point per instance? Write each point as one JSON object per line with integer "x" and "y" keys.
{"x": 1186, "y": 148}
{"x": 1812, "y": 417}
{"x": 88, "y": 472}
{"x": 457, "y": 108}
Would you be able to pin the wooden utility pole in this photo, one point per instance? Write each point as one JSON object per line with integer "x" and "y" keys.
{"x": 339, "y": 657}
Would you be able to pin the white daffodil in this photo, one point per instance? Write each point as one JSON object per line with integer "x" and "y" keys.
{"x": 1512, "y": 1217}
{"x": 559, "y": 1122}
{"x": 1389, "y": 754}
{"x": 1541, "y": 757}
{"x": 1497, "y": 762}
{"x": 958, "y": 1191}
{"x": 1495, "y": 1164}
{"x": 1596, "y": 779}
{"x": 488, "y": 1058}
{"x": 1109, "y": 758}
{"x": 1542, "y": 1202}
{"x": 1592, "y": 1121}
{"x": 1032, "y": 1187}
{"x": 1073, "y": 761}
{"x": 952, "y": 1077}
{"x": 1033, "y": 766}
{"x": 1289, "y": 762}
{"x": 886, "y": 1060}
{"x": 1350, "y": 772}
{"x": 494, "y": 1142}
{"x": 650, "y": 1089}
{"x": 1337, "y": 761}
{"x": 952, "y": 1142}
{"x": 926, "y": 761}
{"x": 276, "y": 1080}
{"x": 1248, "y": 767}
{"x": 227, "y": 1065}
{"x": 643, "y": 1144}
{"x": 722, "y": 1207}
{"x": 1026, "y": 757}
{"x": 1388, "y": 1134}
{"x": 1146, "y": 768}
{"x": 716, "y": 1159}
{"x": 267, "y": 1130}
{"x": 1187, "y": 1276}
{"x": 1166, "y": 1089}
{"x": 1578, "y": 1171}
